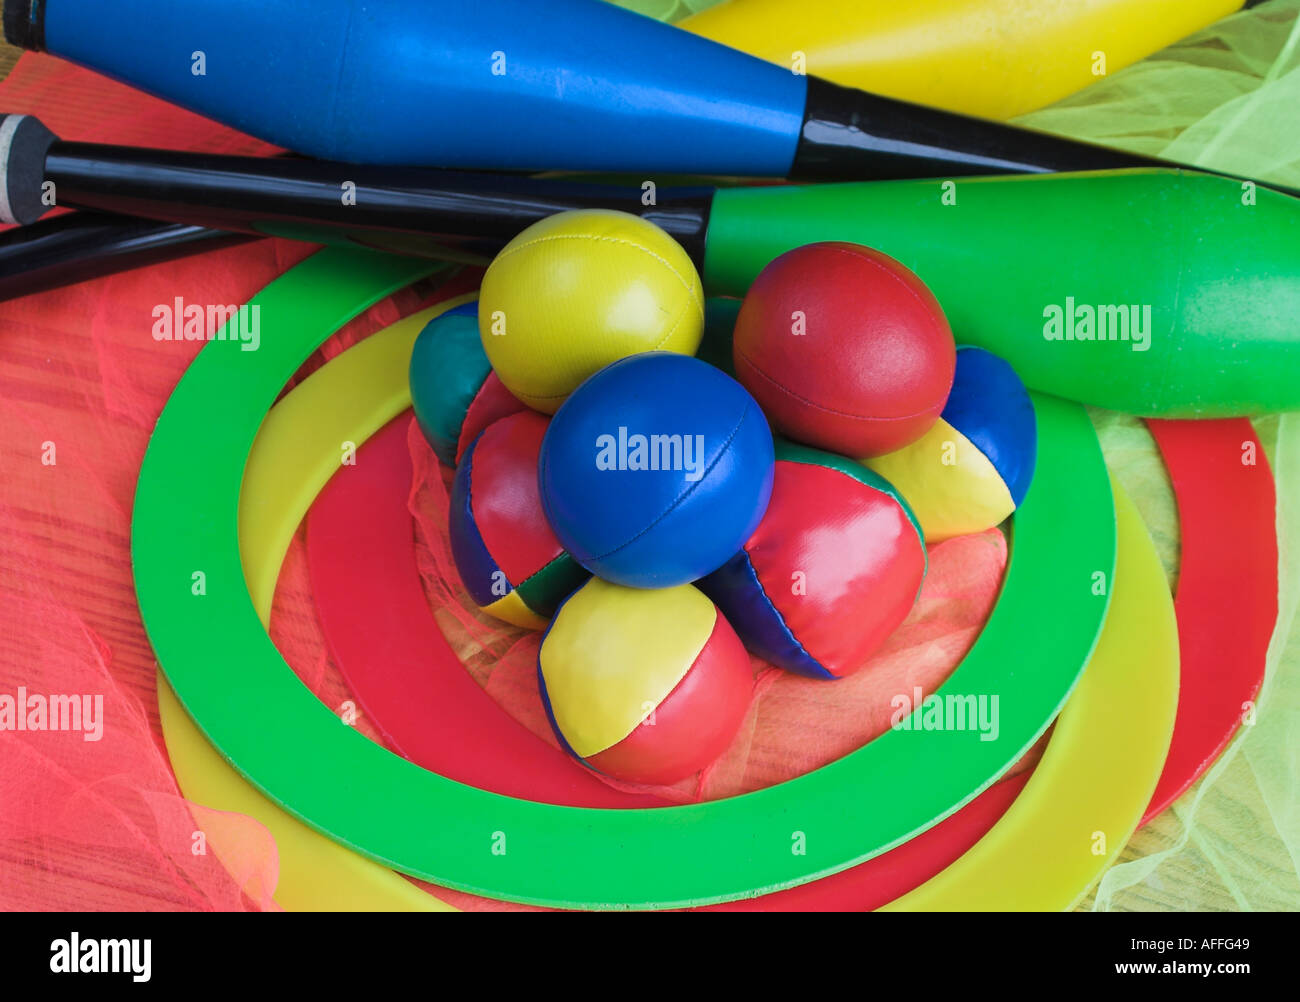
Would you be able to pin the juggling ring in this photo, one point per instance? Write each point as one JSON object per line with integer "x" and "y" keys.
{"x": 381, "y": 633}
{"x": 1152, "y": 650}
{"x": 1229, "y": 556}
{"x": 1130, "y": 689}
{"x": 362, "y": 565}
{"x": 214, "y": 650}
{"x": 1223, "y": 630}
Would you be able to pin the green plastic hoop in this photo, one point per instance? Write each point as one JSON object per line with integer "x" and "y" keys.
{"x": 251, "y": 706}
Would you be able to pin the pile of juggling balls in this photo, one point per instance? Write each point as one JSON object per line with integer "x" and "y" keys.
{"x": 661, "y": 518}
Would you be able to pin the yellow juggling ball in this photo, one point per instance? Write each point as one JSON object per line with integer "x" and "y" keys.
{"x": 579, "y": 290}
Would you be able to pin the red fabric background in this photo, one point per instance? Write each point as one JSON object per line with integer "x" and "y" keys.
{"x": 101, "y": 825}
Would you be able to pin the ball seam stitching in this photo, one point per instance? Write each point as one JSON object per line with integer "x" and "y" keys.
{"x": 897, "y": 279}
{"x": 685, "y": 494}
{"x": 677, "y": 323}
{"x": 688, "y": 286}
{"x": 780, "y": 617}
{"x": 827, "y": 410}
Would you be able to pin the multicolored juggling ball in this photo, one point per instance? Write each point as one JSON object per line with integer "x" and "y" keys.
{"x": 579, "y": 290}
{"x": 643, "y": 685}
{"x": 454, "y": 391}
{"x": 971, "y": 470}
{"x": 844, "y": 348}
{"x": 834, "y": 566}
{"x": 656, "y": 470}
{"x": 509, "y": 559}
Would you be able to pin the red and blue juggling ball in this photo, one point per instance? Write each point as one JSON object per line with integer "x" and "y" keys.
{"x": 509, "y": 559}
{"x": 831, "y": 570}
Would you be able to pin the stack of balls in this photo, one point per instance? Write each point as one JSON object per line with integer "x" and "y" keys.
{"x": 628, "y": 497}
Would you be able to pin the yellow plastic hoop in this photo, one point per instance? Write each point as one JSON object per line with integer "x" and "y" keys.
{"x": 297, "y": 450}
{"x": 1088, "y": 794}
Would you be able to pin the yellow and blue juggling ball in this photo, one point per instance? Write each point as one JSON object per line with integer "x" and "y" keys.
{"x": 971, "y": 470}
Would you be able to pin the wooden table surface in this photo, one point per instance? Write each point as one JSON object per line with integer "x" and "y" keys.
{"x": 8, "y": 56}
